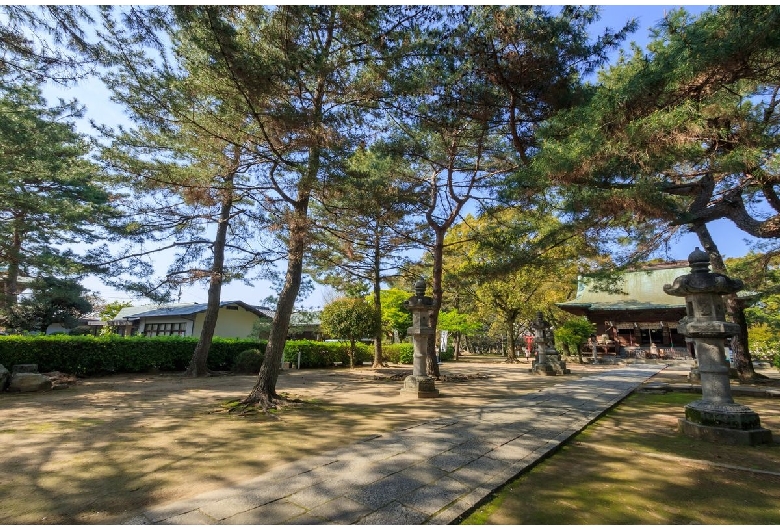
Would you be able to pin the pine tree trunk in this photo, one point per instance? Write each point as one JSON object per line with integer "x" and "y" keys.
{"x": 378, "y": 358}
{"x": 431, "y": 364}
{"x": 264, "y": 391}
{"x": 11, "y": 291}
{"x": 199, "y": 364}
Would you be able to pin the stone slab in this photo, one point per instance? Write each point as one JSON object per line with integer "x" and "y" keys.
{"x": 720, "y": 435}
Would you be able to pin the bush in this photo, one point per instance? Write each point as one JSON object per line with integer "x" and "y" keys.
{"x": 79, "y": 330}
{"x": 448, "y": 354}
{"x": 398, "y": 353}
{"x": 89, "y": 355}
{"x": 315, "y": 354}
{"x": 248, "y": 361}
{"x": 404, "y": 353}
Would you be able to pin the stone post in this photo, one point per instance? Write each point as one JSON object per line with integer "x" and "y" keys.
{"x": 419, "y": 384}
{"x": 715, "y": 417}
{"x": 547, "y": 361}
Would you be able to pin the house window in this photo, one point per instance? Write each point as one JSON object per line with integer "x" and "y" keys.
{"x": 232, "y": 307}
{"x": 155, "y": 330}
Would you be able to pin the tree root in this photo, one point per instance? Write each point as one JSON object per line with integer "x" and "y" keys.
{"x": 754, "y": 378}
{"x": 267, "y": 405}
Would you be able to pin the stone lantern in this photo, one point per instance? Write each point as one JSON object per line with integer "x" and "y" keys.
{"x": 547, "y": 361}
{"x": 715, "y": 417}
{"x": 419, "y": 384}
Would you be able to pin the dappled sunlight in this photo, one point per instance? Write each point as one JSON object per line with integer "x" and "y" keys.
{"x": 110, "y": 446}
{"x": 632, "y": 467}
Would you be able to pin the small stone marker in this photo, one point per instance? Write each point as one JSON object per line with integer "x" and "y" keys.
{"x": 715, "y": 417}
{"x": 418, "y": 384}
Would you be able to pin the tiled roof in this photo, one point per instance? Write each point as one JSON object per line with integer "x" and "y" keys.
{"x": 633, "y": 290}
{"x": 164, "y": 310}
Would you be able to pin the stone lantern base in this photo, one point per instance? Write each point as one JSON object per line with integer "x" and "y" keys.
{"x": 727, "y": 423}
{"x": 552, "y": 365}
{"x": 419, "y": 387}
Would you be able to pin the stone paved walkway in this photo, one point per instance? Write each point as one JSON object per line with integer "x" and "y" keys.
{"x": 431, "y": 473}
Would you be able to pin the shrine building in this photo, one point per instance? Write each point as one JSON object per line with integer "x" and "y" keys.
{"x": 633, "y": 311}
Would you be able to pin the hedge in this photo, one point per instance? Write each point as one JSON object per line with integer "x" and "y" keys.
{"x": 404, "y": 353}
{"x": 398, "y": 353}
{"x": 88, "y": 355}
{"x": 316, "y": 354}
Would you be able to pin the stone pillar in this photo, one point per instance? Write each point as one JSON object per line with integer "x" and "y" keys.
{"x": 419, "y": 384}
{"x": 715, "y": 417}
{"x": 547, "y": 361}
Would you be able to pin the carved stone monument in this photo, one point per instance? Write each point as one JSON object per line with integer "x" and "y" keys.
{"x": 715, "y": 417}
{"x": 547, "y": 361}
{"x": 418, "y": 384}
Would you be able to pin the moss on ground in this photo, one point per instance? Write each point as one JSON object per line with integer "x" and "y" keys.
{"x": 633, "y": 467}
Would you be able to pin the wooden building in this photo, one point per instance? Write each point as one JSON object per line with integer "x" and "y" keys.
{"x": 633, "y": 311}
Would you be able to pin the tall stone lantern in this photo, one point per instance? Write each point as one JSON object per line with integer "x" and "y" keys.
{"x": 419, "y": 384}
{"x": 547, "y": 361}
{"x": 715, "y": 417}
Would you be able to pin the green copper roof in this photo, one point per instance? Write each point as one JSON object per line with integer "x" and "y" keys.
{"x": 635, "y": 290}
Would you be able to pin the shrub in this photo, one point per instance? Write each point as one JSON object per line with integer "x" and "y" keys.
{"x": 398, "y": 353}
{"x": 404, "y": 353}
{"x": 80, "y": 330}
{"x": 248, "y": 361}
{"x": 89, "y": 355}
{"x": 315, "y": 354}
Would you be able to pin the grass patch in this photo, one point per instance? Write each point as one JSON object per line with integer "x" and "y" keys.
{"x": 633, "y": 467}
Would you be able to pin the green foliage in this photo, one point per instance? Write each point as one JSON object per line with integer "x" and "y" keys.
{"x": 317, "y": 354}
{"x": 395, "y": 316}
{"x": 88, "y": 355}
{"x": 50, "y": 193}
{"x": 574, "y": 333}
{"x": 248, "y": 361}
{"x": 349, "y": 319}
{"x": 112, "y": 309}
{"x": 457, "y": 322}
{"x": 764, "y": 343}
{"x": 398, "y": 353}
{"x": 683, "y": 133}
{"x": 404, "y": 353}
{"x": 52, "y": 301}
{"x": 80, "y": 330}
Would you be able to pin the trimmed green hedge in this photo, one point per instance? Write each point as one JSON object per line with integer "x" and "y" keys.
{"x": 316, "y": 354}
{"x": 88, "y": 355}
{"x": 404, "y": 353}
{"x": 398, "y": 353}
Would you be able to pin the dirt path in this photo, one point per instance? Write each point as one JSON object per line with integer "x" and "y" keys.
{"x": 109, "y": 446}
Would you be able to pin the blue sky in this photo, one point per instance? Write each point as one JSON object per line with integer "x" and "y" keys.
{"x": 731, "y": 241}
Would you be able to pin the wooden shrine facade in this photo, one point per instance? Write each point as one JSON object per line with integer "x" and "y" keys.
{"x": 633, "y": 311}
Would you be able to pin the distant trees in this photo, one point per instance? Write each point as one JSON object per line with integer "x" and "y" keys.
{"x": 51, "y": 195}
{"x": 364, "y": 225}
{"x": 51, "y": 301}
